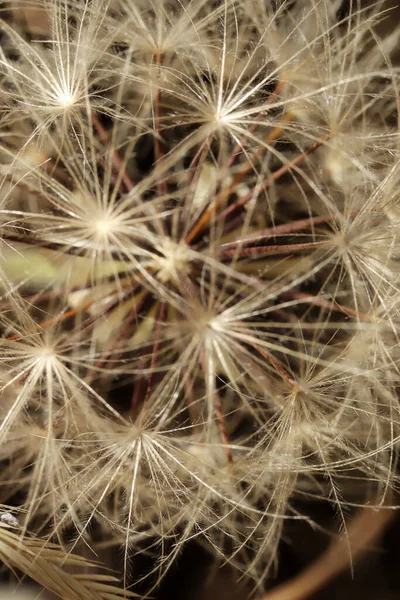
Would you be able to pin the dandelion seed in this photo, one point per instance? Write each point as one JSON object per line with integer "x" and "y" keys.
{"x": 199, "y": 285}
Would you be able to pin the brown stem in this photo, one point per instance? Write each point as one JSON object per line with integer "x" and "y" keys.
{"x": 328, "y": 304}
{"x": 218, "y": 410}
{"x": 158, "y": 144}
{"x": 362, "y": 531}
{"x": 271, "y": 250}
{"x": 222, "y": 197}
{"x": 23, "y": 186}
{"x": 278, "y": 366}
{"x": 205, "y": 219}
{"x": 196, "y": 167}
{"x": 276, "y": 230}
{"x": 31, "y": 240}
{"x": 123, "y": 329}
{"x": 238, "y": 177}
{"x": 259, "y": 118}
{"x": 36, "y": 20}
{"x": 118, "y": 163}
{"x": 137, "y": 393}
{"x": 274, "y": 177}
{"x": 53, "y": 320}
{"x": 154, "y": 355}
{"x": 222, "y": 428}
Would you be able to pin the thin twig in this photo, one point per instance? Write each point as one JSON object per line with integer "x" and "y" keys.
{"x": 368, "y": 524}
{"x": 118, "y": 163}
{"x": 274, "y": 177}
{"x": 205, "y": 219}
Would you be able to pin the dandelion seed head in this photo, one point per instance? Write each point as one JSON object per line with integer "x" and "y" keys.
{"x": 200, "y": 314}
{"x": 103, "y": 227}
{"x": 65, "y": 99}
{"x": 45, "y": 356}
{"x": 216, "y": 324}
{"x": 174, "y": 259}
{"x": 221, "y": 118}
{"x": 342, "y": 241}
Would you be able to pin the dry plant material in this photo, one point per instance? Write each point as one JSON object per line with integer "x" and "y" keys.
{"x": 199, "y": 270}
{"x": 44, "y": 564}
{"x": 363, "y": 530}
{"x": 35, "y": 20}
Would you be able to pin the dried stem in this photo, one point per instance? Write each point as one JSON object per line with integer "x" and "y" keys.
{"x": 119, "y": 164}
{"x": 367, "y": 525}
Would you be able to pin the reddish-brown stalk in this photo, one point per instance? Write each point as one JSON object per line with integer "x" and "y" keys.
{"x": 119, "y": 164}
{"x": 252, "y": 251}
{"x": 366, "y": 526}
{"x": 240, "y": 145}
{"x": 278, "y": 366}
{"x": 241, "y": 202}
{"x": 161, "y": 313}
{"x": 224, "y": 194}
{"x": 283, "y": 229}
{"x": 218, "y": 411}
{"x": 162, "y": 183}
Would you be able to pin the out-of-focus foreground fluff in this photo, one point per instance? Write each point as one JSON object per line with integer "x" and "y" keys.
{"x": 199, "y": 277}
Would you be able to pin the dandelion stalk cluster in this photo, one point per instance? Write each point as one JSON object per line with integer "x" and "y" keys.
{"x": 199, "y": 269}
